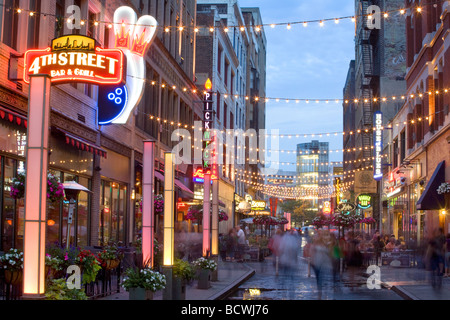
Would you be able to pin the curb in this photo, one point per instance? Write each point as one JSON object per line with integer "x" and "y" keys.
{"x": 233, "y": 286}
{"x": 397, "y": 289}
{"x": 403, "y": 293}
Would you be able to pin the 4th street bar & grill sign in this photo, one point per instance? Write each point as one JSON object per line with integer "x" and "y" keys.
{"x": 75, "y": 58}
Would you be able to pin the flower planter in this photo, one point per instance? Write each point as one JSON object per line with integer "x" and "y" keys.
{"x": 204, "y": 278}
{"x": 112, "y": 264}
{"x": 13, "y": 277}
{"x": 178, "y": 289}
{"x": 140, "y": 294}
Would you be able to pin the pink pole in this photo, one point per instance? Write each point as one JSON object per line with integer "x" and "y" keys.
{"x": 148, "y": 217}
{"x": 36, "y": 187}
{"x": 206, "y": 215}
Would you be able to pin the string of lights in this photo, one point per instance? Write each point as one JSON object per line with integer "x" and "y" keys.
{"x": 179, "y": 125}
{"x": 211, "y": 29}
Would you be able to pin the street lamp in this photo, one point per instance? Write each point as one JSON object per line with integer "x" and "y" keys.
{"x": 72, "y": 190}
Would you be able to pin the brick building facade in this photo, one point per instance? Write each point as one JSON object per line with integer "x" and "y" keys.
{"x": 113, "y": 170}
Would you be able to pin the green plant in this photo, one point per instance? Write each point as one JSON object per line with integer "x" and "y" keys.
{"x": 143, "y": 278}
{"x": 183, "y": 269}
{"x": 12, "y": 260}
{"x": 203, "y": 263}
{"x": 57, "y": 290}
{"x": 55, "y": 263}
{"x": 110, "y": 253}
{"x": 90, "y": 265}
{"x": 68, "y": 257}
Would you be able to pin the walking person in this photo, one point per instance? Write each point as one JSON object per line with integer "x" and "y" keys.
{"x": 353, "y": 257}
{"x": 378, "y": 247}
{"x": 241, "y": 242}
{"x": 321, "y": 262}
{"x": 274, "y": 247}
{"x": 435, "y": 258}
{"x": 447, "y": 256}
{"x": 231, "y": 243}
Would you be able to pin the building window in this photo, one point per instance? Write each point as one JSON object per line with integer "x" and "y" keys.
{"x": 59, "y": 18}
{"x": 112, "y": 212}
{"x": 11, "y": 23}
{"x": 34, "y": 25}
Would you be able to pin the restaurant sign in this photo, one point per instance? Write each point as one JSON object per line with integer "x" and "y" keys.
{"x": 363, "y": 201}
{"x": 258, "y": 205}
{"x": 76, "y": 58}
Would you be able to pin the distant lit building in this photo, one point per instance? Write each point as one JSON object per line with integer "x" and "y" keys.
{"x": 312, "y": 165}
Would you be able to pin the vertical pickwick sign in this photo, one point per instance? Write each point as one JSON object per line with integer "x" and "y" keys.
{"x": 208, "y": 118}
{"x": 378, "y": 146}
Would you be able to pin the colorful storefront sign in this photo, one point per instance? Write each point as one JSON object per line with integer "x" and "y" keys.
{"x": 76, "y": 58}
{"x": 363, "y": 201}
{"x": 378, "y": 146}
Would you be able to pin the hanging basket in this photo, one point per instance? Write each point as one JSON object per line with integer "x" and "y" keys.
{"x": 112, "y": 264}
{"x": 13, "y": 277}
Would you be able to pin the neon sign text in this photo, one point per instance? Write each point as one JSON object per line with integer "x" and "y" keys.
{"x": 98, "y": 66}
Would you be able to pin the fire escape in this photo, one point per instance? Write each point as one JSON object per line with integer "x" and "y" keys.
{"x": 369, "y": 82}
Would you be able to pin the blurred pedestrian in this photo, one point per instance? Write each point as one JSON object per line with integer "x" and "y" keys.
{"x": 241, "y": 242}
{"x": 354, "y": 258}
{"x": 288, "y": 253}
{"x": 447, "y": 256}
{"x": 378, "y": 246}
{"x": 336, "y": 255}
{"x": 231, "y": 243}
{"x": 436, "y": 251}
{"x": 274, "y": 247}
{"x": 391, "y": 246}
{"x": 321, "y": 261}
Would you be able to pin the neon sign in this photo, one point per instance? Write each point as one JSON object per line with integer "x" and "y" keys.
{"x": 199, "y": 175}
{"x": 75, "y": 58}
{"x": 363, "y": 201}
{"x": 133, "y": 37}
{"x": 258, "y": 205}
{"x": 326, "y": 207}
{"x": 378, "y": 146}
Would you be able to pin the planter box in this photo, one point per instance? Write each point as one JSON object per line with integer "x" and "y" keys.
{"x": 178, "y": 289}
{"x": 204, "y": 278}
{"x": 140, "y": 294}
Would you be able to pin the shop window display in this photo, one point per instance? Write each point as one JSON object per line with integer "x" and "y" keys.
{"x": 113, "y": 212}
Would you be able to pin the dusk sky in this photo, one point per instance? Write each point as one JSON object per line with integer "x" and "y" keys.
{"x": 306, "y": 63}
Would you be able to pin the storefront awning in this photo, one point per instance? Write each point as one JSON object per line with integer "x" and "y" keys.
{"x": 83, "y": 145}
{"x": 184, "y": 188}
{"x": 178, "y": 183}
{"x": 430, "y": 199}
{"x": 13, "y": 117}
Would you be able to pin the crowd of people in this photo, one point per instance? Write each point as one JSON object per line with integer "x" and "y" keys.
{"x": 330, "y": 256}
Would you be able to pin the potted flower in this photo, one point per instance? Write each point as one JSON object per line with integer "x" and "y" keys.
{"x": 53, "y": 264}
{"x": 12, "y": 263}
{"x": 17, "y": 186}
{"x": 57, "y": 290}
{"x": 368, "y": 220}
{"x": 222, "y": 215}
{"x": 55, "y": 189}
{"x": 143, "y": 283}
{"x": 204, "y": 267}
{"x": 159, "y": 203}
{"x": 89, "y": 265}
{"x": 110, "y": 257}
{"x": 444, "y": 187}
{"x": 183, "y": 272}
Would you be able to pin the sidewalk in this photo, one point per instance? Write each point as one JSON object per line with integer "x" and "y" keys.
{"x": 413, "y": 283}
{"x": 230, "y": 275}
